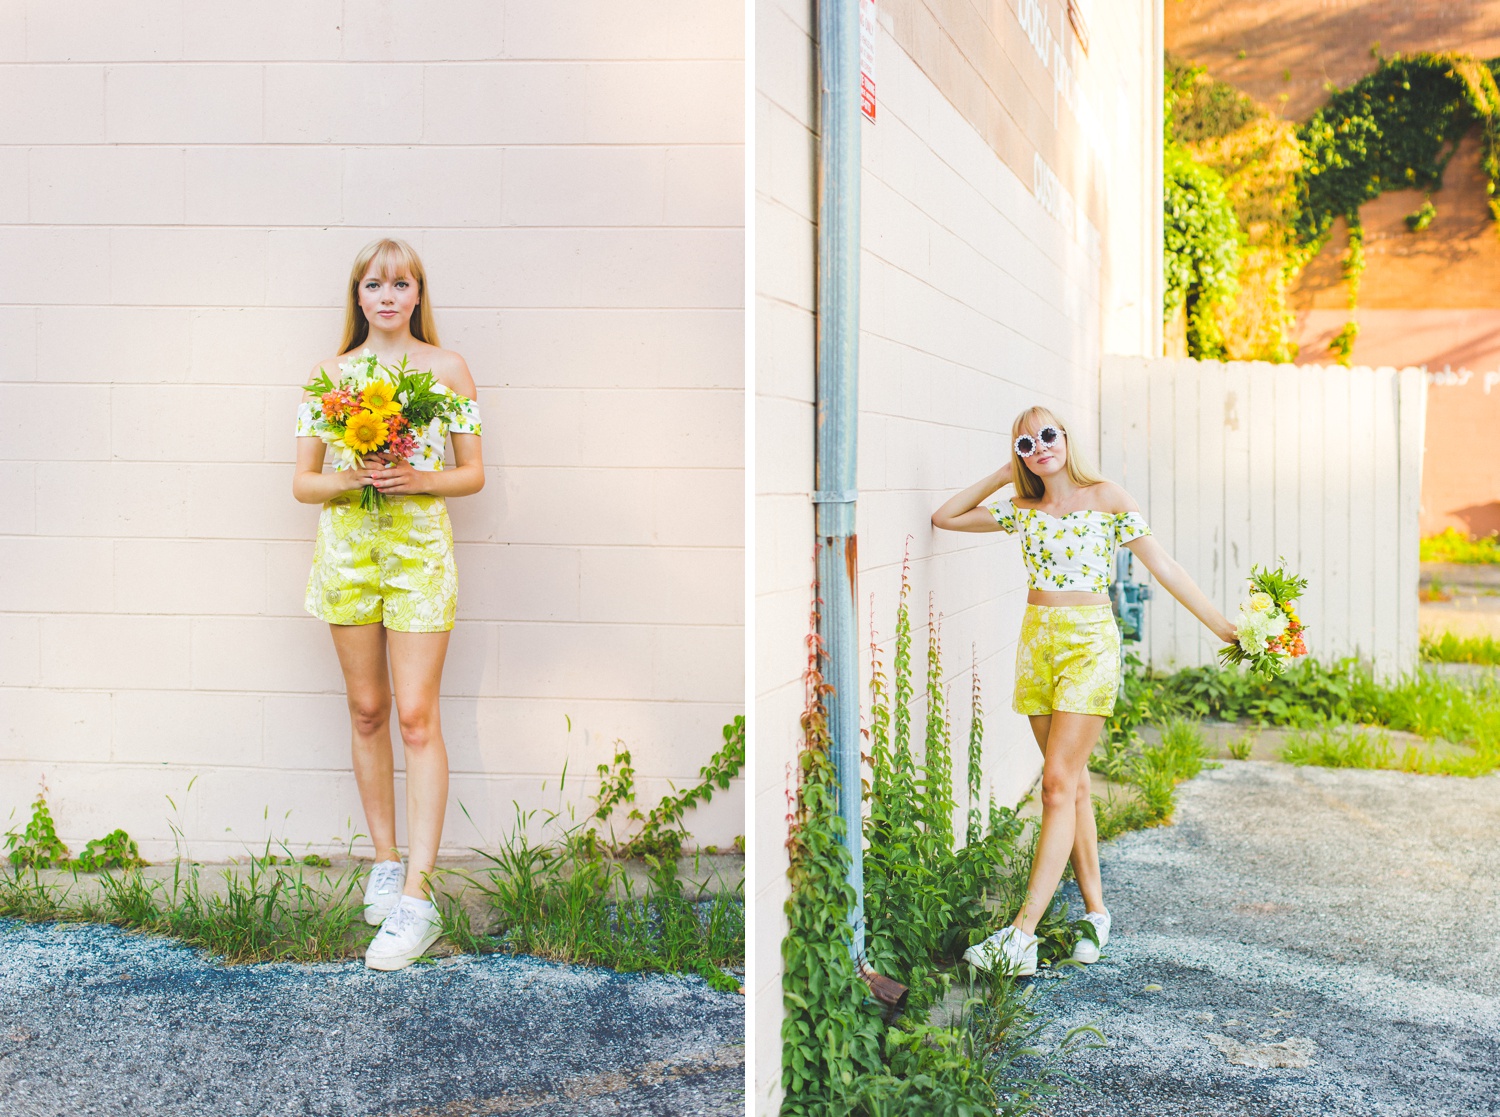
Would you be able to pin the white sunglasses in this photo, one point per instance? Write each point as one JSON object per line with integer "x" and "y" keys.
{"x": 1045, "y": 439}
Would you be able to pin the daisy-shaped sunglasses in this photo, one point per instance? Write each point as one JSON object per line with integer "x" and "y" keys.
{"x": 1045, "y": 439}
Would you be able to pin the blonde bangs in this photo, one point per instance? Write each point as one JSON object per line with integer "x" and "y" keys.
{"x": 391, "y": 257}
{"x": 1027, "y": 483}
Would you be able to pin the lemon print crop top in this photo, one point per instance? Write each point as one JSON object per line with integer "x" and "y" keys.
{"x": 1071, "y": 552}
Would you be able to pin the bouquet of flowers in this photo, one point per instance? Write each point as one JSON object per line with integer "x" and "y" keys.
{"x": 1269, "y": 629}
{"x": 375, "y": 409}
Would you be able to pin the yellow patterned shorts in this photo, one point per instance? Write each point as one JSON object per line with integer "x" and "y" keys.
{"x": 394, "y": 565}
{"x": 1068, "y": 659}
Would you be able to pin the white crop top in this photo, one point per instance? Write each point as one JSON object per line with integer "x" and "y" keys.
{"x": 1072, "y": 552}
{"x": 431, "y": 440}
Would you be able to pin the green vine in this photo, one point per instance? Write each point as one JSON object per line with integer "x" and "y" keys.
{"x": 829, "y": 1039}
{"x": 1202, "y": 242}
{"x": 662, "y": 834}
{"x": 925, "y": 902}
{"x": 38, "y": 846}
{"x": 1394, "y": 129}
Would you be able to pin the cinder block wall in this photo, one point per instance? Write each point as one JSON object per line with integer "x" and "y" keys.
{"x": 182, "y": 189}
{"x": 976, "y": 301}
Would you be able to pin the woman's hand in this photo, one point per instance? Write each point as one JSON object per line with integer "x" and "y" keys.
{"x": 1227, "y": 632}
{"x": 394, "y": 477}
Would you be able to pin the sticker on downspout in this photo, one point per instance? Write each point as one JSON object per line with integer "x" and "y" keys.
{"x": 867, "y": 59}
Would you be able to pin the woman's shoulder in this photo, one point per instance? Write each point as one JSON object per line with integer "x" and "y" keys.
{"x": 1112, "y": 498}
{"x": 450, "y": 369}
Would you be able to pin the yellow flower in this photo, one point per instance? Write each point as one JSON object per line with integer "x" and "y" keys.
{"x": 379, "y": 398}
{"x": 1260, "y": 602}
{"x": 364, "y": 432}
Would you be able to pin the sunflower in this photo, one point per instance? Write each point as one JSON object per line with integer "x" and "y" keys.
{"x": 364, "y": 432}
{"x": 379, "y": 398}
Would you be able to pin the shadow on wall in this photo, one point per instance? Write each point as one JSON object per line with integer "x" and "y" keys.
{"x": 1480, "y": 519}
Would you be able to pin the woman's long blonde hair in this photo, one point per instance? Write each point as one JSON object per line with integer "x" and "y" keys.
{"x": 391, "y": 255}
{"x": 1027, "y": 483}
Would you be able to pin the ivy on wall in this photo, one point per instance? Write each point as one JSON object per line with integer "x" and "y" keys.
{"x": 1202, "y": 242}
{"x": 1394, "y": 129}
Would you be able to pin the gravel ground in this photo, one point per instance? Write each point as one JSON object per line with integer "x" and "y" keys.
{"x": 98, "y": 1021}
{"x": 1304, "y": 942}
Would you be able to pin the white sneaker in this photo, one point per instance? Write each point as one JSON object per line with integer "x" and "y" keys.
{"x": 383, "y": 890}
{"x": 1088, "y": 952}
{"x": 405, "y": 935}
{"x": 1010, "y": 950}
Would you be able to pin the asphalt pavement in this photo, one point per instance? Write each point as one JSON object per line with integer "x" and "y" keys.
{"x": 1303, "y": 942}
{"x": 96, "y": 1021}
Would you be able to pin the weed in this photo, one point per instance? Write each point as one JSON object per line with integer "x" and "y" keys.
{"x": 560, "y": 899}
{"x": 1452, "y": 545}
{"x": 1449, "y": 648}
{"x": 661, "y": 833}
{"x": 38, "y": 846}
{"x": 1339, "y": 748}
{"x": 1240, "y": 747}
{"x": 925, "y": 902}
{"x": 1312, "y": 696}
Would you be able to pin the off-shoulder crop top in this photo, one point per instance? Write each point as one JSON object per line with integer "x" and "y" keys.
{"x": 1072, "y": 552}
{"x": 431, "y": 440}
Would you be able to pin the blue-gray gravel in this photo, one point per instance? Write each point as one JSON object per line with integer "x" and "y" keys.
{"x": 95, "y": 1021}
{"x": 1304, "y": 942}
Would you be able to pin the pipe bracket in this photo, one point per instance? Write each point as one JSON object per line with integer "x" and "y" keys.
{"x": 835, "y": 496}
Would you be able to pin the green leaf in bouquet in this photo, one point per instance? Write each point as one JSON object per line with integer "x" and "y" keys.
{"x": 322, "y": 385}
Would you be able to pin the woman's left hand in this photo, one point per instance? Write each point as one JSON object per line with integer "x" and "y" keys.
{"x": 396, "y": 478}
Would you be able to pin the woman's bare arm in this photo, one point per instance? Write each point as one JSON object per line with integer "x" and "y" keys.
{"x": 1175, "y": 580}
{"x": 962, "y": 511}
{"x": 311, "y": 485}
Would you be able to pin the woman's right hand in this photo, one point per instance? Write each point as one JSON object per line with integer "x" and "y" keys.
{"x": 360, "y": 477}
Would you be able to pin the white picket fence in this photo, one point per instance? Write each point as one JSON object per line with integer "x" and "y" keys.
{"x": 1236, "y": 464}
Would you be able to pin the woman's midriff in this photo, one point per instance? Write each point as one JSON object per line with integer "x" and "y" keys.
{"x": 1065, "y": 597}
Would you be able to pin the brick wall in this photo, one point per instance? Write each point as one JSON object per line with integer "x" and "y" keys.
{"x": 182, "y": 189}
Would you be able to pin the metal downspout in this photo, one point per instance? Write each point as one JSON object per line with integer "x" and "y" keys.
{"x": 837, "y": 414}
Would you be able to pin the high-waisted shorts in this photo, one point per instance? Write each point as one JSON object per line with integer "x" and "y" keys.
{"x": 393, "y": 565}
{"x": 1068, "y": 659}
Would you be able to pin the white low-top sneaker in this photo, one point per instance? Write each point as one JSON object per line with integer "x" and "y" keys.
{"x": 405, "y": 935}
{"x": 1009, "y": 950}
{"x": 383, "y": 890}
{"x": 1088, "y": 952}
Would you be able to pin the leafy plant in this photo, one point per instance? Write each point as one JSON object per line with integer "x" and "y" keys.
{"x": 830, "y": 1040}
{"x": 37, "y": 846}
{"x": 1422, "y": 217}
{"x": 925, "y": 902}
{"x": 1452, "y": 545}
{"x": 662, "y": 833}
{"x": 1450, "y": 648}
{"x": 116, "y": 850}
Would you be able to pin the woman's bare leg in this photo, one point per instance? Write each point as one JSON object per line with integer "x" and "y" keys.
{"x": 1085, "y": 854}
{"x": 1069, "y": 740}
{"x": 367, "y": 681}
{"x": 417, "y": 667}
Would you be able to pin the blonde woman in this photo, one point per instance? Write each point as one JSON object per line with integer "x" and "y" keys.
{"x": 1068, "y": 659}
{"x": 386, "y": 583}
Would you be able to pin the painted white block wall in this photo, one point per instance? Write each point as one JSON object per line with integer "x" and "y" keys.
{"x": 975, "y": 303}
{"x": 182, "y": 189}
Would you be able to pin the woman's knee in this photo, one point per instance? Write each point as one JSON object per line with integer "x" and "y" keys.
{"x": 1059, "y": 788}
{"x": 419, "y": 727}
{"x": 370, "y": 715}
